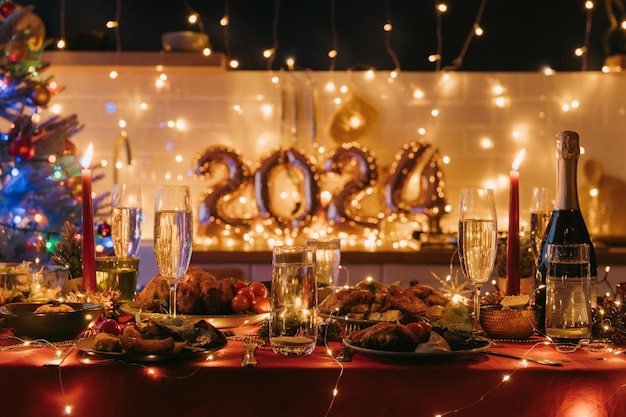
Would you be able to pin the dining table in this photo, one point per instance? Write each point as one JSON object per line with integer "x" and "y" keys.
{"x": 587, "y": 380}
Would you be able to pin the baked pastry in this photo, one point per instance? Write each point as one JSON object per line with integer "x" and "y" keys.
{"x": 385, "y": 336}
{"x": 52, "y": 308}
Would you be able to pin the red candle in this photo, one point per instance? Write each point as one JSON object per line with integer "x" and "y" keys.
{"x": 89, "y": 250}
{"x": 512, "y": 247}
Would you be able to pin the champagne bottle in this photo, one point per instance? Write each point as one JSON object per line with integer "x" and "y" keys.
{"x": 566, "y": 225}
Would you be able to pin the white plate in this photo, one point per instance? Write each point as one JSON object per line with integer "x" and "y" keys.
{"x": 416, "y": 356}
{"x": 86, "y": 345}
{"x": 218, "y": 321}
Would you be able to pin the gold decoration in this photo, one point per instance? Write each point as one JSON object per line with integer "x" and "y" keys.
{"x": 352, "y": 119}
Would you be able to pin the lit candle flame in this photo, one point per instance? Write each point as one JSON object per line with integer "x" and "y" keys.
{"x": 518, "y": 160}
{"x": 87, "y": 158}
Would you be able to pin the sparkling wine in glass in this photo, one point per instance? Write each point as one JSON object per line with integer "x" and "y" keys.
{"x": 126, "y": 219}
{"x": 173, "y": 241}
{"x": 541, "y": 207}
{"x": 478, "y": 241}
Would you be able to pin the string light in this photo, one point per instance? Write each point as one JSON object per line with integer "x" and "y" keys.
{"x": 388, "y": 29}
{"x": 476, "y": 31}
{"x": 61, "y": 42}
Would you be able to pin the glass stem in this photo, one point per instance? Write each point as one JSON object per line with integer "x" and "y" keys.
{"x": 173, "y": 299}
{"x": 477, "y": 328}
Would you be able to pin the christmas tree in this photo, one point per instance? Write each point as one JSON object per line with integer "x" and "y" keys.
{"x": 40, "y": 171}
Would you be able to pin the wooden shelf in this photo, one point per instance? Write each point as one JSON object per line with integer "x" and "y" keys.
{"x": 427, "y": 256}
{"x": 89, "y": 58}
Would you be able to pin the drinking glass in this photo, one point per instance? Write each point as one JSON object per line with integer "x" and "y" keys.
{"x": 126, "y": 219}
{"x": 173, "y": 239}
{"x": 293, "y": 317}
{"x": 327, "y": 260}
{"x": 541, "y": 207}
{"x": 568, "y": 292}
{"x": 478, "y": 241}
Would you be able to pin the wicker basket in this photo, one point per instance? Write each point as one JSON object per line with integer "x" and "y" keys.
{"x": 509, "y": 324}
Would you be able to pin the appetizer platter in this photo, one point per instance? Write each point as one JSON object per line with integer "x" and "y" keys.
{"x": 154, "y": 340}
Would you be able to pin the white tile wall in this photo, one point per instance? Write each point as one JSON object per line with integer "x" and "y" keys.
{"x": 242, "y": 110}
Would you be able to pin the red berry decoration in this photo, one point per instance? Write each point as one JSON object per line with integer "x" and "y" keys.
{"x": 7, "y": 8}
{"x": 22, "y": 148}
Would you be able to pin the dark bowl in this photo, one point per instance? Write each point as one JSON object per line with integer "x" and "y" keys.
{"x": 53, "y": 326}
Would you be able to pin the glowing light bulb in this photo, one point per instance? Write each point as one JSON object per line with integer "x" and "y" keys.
{"x": 434, "y": 57}
{"x": 193, "y": 18}
{"x": 478, "y": 31}
{"x": 113, "y": 74}
{"x": 61, "y": 44}
{"x": 580, "y": 51}
{"x": 369, "y": 74}
{"x": 224, "y": 21}
{"x": 442, "y": 7}
{"x": 588, "y": 5}
{"x": 112, "y": 24}
{"x": 268, "y": 53}
{"x": 387, "y": 27}
{"x": 206, "y": 51}
{"x": 122, "y": 123}
{"x": 332, "y": 53}
{"x": 233, "y": 64}
{"x": 290, "y": 63}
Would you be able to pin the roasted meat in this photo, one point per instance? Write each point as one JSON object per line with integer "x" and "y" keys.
{"x": 198, "y": 292}
{"x": 342, "y": 302}
{"x": 385, "y": 336}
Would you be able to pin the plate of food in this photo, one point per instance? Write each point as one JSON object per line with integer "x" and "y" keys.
{"x": 156, "y": 340}
{"x": 224, "y": 303}
{"x": 370, "y": 303}
{"x": 220, "y": 321}
{"x": 413, "y": 342}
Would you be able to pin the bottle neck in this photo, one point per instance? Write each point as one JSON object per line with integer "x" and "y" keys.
{"x": 566, "y": 187}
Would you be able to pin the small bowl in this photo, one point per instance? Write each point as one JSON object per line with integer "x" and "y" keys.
{"x": 53, "y": 326}
{"x": 509, "y": 324}
{"x": 184, "y": 41}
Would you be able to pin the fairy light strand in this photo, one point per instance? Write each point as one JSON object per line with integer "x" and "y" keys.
{"x": 475, "y": 31}
{"x": 388, "y": 29}
{"x": 588, "y": 24}
{"x": 270, "y": 54}
{"x": 61, "y": 42}
{"x": 335, "y": 42}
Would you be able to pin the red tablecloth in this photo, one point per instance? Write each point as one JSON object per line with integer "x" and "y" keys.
{"x": 303, "y": 386}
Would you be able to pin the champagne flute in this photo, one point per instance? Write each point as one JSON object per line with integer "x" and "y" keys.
{"x": 541, "y": 207}
{"x": 173, "y": 240}
{"x": 126, "y": 219}
{"x": 478, "y": 241}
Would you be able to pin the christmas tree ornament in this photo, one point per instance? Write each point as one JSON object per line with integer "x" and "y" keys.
{"x": 75, "y": 186}
{"x": 40, "y": 95}
{"x": 6, "y": 8}
{"x": 16, "y": 50}
{"x": 104, "y": 229}
{"x": 22, "y": 148}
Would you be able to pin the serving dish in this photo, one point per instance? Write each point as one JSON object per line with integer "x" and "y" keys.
{"x": 479, "y": 347}
{"x": 218, "y": 321}
{"x": 20, "y": 282}
{"x": 51, "y": 326}
{"x": 86, "y": 345}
